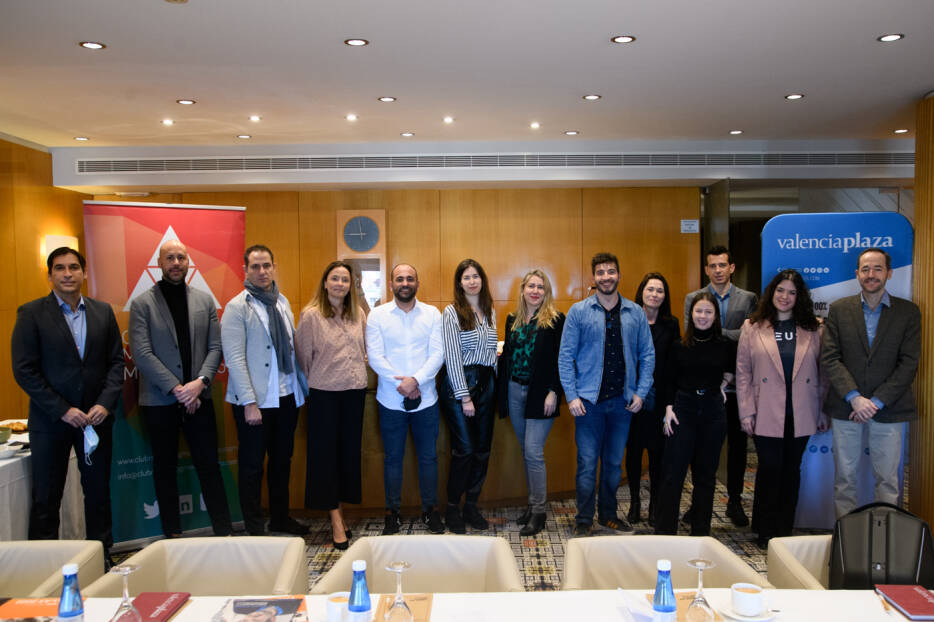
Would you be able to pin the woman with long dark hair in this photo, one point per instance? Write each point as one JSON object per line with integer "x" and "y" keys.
{"x": 468, "y": 387}
{"x": 329, "y": 347}
{"x": 698, "y": 371}
{"x": 645, "y": 431}
{"x": 778, "y": 389}
{"x": 529, "y": 385}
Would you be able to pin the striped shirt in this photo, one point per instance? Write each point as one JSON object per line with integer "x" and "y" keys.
{"x": 466, "y": 347}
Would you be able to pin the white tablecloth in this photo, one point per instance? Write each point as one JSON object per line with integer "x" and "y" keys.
{"x": 16, "y": 498}
{"x": 593, "y": 606}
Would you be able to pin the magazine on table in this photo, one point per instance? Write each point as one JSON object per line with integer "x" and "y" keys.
{"x": 260, "y": 609}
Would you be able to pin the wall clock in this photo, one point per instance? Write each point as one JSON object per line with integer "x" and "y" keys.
{"x": 361, "y": 233}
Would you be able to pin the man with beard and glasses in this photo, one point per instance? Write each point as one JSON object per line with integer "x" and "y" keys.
{"x": 870, "y": 351}
{"x": 176, "y": 343}
{"x": 736, "y": 305}
{"x": 266, "y": 387}
{"x": 605, "y": 362}
{"x": 404, "y": 348}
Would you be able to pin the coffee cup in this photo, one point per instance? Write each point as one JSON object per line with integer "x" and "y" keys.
{"x": 337, "y": 606}
{"x": 747, "y": 599}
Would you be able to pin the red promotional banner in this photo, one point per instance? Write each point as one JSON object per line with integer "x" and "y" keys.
{"x": 122, "y": 243}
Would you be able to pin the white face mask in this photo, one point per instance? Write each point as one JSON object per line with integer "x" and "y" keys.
{"x": 90, "y": 442}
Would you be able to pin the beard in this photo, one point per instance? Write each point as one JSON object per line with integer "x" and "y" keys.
{"x": 404, "y": 294}
{"x": 607, "y": 288}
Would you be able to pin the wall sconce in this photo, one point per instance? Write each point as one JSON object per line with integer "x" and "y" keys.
{"x": 51, "y": 242}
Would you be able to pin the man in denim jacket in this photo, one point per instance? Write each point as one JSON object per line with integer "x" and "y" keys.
{"x": 605, "y": 363}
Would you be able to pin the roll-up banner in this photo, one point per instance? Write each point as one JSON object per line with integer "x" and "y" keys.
{"x": 122, "y": 243}
{"x": 824, "y": 248}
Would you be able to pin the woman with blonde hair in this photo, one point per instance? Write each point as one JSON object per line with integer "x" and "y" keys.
{"x": 330, "y": 350}
{"x": 529, "y": 386}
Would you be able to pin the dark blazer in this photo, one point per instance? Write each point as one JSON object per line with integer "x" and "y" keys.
{"x": 885, "y": 371}
{"x": 742, "y": 303}
{"x": 47, "y": 366}
{"x": 666, "y": 333}
{"x": 544, "y": 376}
{"x": 155, "y": 344}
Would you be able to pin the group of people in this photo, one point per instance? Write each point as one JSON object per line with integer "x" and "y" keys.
{"x": 766, "y": 369}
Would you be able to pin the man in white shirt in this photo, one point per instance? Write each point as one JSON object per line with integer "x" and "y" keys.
{"x": 404, "y": 348}
{"x": 266, "y": 388}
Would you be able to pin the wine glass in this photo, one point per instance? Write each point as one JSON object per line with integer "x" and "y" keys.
{"x": 699, "y": 610}
{"x": 126, "y": 612}
{"x": 399, "y": 611}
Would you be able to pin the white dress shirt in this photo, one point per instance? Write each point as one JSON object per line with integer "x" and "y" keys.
{"x": 400, "y": 343}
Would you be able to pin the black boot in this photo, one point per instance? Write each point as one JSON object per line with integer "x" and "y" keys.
{"x": 524, "y": 517}
{"x": 536, "y": 523}
{"x": 635, "y": 512}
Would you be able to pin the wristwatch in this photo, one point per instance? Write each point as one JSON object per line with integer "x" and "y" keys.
{"x": 205, "y": 380}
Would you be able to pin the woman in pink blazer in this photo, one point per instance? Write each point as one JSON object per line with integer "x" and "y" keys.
{"x": 779, "y": 392}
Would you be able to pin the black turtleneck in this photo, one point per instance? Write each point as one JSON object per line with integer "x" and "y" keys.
{"x": 176, "y": 296}
{"x": 700, "y": 366}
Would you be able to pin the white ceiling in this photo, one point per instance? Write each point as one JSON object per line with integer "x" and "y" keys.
{"x": 697, "y": 70}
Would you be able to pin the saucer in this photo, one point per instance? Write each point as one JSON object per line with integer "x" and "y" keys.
{"x": 727, "y": 612}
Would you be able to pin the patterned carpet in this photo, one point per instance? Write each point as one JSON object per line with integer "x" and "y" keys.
{"x": 541, "y": 558}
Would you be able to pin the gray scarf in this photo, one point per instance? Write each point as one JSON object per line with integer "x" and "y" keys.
{"x": 277, "y": 330}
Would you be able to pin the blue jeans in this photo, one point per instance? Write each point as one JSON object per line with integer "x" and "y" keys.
{"x": 601, "y": 435}
{"x": 394, "y": 427}
{"x": 532, "y": 434}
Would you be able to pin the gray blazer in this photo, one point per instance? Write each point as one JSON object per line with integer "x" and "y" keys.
{"x": 154, "y": 344}
{"x": 247, "y": 350}
{"x": 742, "y": 303}
{"x": 885, "y": 371}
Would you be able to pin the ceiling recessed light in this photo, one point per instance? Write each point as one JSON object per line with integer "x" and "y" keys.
{"x": 535, "y": 125}
{"x": 386, "y": 99}
{"x": 407, "y": 134}
{"x": 92, "y": 45}
{"x": 592, "y": 97}
{"x": 255, "y": 118}
{"x": 351, "y": 117}
{"x": 448, "y": 120}
{"x": 623, "y": 39}
{"x": 572, "y": 133}
{"x": 356, "y": 42}
{"x": 167, "y": 122}
{"x": 890, "y": 37}
{"x": 86, "y": 138}
{"x": 244, "y": 136}
{"x": 736, "y": 132}
{"x": 185, "y": 102}
{"x": 900, "y": 131}
{"x": 794, "y": 96}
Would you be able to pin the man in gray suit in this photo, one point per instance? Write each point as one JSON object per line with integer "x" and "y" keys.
{"x": 176, "y": 343}
{"x": 870, "y": 351}
{"x": 266, "y": 388}
{"x": 735, "y": 306}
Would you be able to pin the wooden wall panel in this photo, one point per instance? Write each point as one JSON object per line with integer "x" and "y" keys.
{"x": 152, "y": 198}
{"x": 642, "y": 227}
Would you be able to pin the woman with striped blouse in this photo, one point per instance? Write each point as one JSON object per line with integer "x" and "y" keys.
{"x": 468, "y": 391}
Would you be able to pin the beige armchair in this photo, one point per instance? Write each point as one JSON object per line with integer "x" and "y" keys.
{"x": 800, "y": 562}
{"x": 33, "y": 569}
{"x": 439, "y": 564}
{"x": 214, "y": 567}
{"x": 629, "y": 562}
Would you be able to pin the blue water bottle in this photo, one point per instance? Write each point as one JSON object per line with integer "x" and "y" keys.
{"x": 664, "y": 606}
{"x": 359, "y": 603}
{"x": 70, "y": 605}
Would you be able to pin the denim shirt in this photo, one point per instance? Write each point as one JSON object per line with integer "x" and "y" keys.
{"x": 580, "y": 359}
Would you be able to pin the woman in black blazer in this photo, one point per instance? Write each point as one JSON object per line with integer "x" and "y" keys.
{"x": 645, "y": 431}
{"x": 529, "y": 386}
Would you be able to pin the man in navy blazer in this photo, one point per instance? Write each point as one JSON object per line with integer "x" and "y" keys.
{"x": 68, "y": 357}
{"x": 870, "y": 351}
{"x": 735, "y": 306}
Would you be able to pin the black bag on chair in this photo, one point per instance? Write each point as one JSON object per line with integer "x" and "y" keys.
{"x": 881, "y": 543}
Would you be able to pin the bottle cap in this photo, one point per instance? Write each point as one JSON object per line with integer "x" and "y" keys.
{"x": 359, "y": 564}
{"x": 664, "y": 564}
{"x": 68, "y": 569}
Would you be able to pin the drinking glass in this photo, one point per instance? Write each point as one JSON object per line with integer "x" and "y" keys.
{"x": 699, "y": 610}
{"x": 399, "y": 611}
{"x": 126, "y": 612}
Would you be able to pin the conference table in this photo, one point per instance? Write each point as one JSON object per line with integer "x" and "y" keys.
{"x": 571, "y": 606}
{"x": 16, "y": 498}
